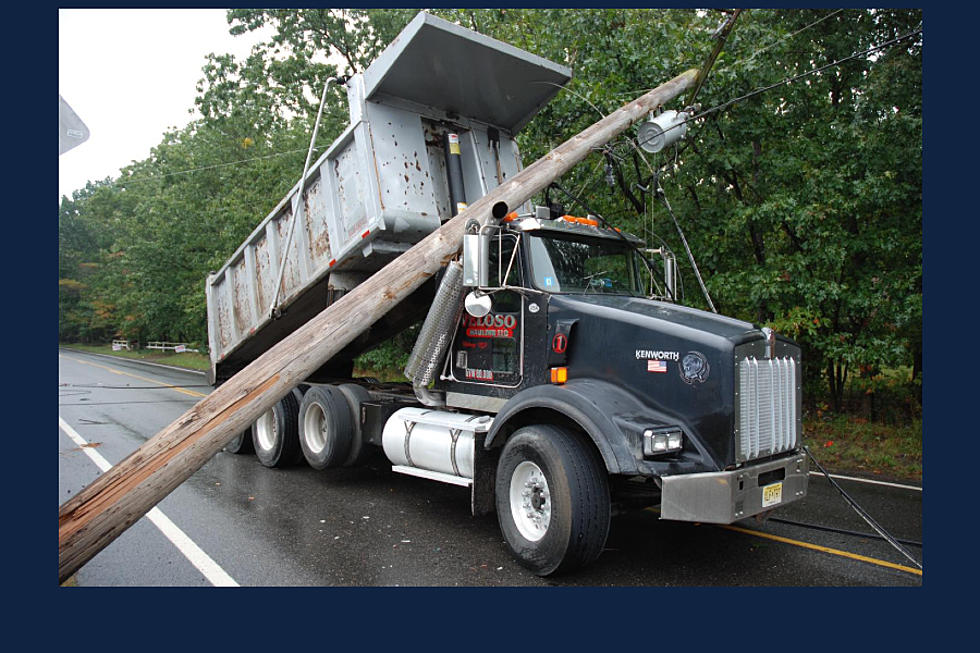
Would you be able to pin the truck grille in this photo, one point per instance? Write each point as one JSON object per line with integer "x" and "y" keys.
{"x": 767, "y": 419}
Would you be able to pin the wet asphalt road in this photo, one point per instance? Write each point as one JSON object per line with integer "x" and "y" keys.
{"x": 370, "y": 527}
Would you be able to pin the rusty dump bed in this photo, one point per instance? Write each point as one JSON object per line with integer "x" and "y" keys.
{"x": 380, "y": 187}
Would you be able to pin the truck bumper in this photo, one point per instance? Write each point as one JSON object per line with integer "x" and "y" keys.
{"x": 725, "y": 497}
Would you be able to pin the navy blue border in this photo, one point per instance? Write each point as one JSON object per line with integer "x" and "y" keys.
{"x": 424, "y": 618}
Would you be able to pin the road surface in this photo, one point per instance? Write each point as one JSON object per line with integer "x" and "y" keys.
{"x": 235, "y": 522}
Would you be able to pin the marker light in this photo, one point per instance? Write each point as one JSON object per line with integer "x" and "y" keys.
{"x": 559, "y": 374}
{"x": 587, "y": 221}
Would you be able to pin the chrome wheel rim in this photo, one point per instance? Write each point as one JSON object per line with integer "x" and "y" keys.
{"x": 530, "y": 501}
{"x": 314, "y": 428}
{"x": 266, "y": 431}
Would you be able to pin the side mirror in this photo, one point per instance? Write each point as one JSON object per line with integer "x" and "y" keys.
{"x": 477, "y": 304}
{"x": 670, "y": 272}
{"x": 476, "y": 260}
{"x": 476, "y": 250}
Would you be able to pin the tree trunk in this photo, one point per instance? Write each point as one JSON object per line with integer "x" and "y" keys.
{"x": 109, "y": 505}
{"x": 837, "y": 378}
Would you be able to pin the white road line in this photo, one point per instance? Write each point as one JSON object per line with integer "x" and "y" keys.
{"x": 194, "y": 554}
{"x": 870, "y": 480}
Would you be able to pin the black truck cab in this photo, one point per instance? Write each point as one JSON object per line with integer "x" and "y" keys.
{"x": 705, "y": 406}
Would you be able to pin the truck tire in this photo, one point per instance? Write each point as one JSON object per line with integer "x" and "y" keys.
{"x": 241, "y": 444}
{"x": 275, "y": 436}
{"x": 553, "y": 502}
{"x": 355, "y": 396}
{"x": 325, "y": 424}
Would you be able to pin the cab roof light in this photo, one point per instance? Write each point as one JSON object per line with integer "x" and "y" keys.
{"x": 577, "y": 220}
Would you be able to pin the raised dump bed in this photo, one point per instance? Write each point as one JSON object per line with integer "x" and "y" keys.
{"x": 381, "y": 186}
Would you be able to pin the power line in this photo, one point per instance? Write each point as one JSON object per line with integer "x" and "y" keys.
{"x": 781, "y": 39}
{"x": 657, "y": 190}
{"x": 789, "y": 80}
{"x": 757, "y": 52}
{"x": 783, "y": 82}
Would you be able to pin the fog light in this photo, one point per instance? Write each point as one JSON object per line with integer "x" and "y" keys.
{"x": 657, "y": 442}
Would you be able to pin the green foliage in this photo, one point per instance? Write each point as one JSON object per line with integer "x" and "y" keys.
{"x": 855, "y": 444}
{"x": 802, "y": 204}
{"x": 390, "y": 357}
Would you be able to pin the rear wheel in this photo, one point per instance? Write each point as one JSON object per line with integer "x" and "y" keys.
{"x": 356, "y": 395}
{"x": 326, "y": 430}
{"x": 275, "y": 436}
{"x": 552, "y": 496}
{"x": 242, "y": 443}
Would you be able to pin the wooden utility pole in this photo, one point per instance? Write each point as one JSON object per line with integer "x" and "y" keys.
{"x": 98, "y": 514}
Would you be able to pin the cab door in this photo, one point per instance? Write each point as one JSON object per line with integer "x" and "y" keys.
{"x": 489, "y": 351}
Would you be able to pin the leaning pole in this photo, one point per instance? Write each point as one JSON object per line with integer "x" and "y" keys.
{"x": 98, "y": 514}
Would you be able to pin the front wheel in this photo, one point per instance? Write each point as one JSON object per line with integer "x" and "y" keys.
{"x": 552, "y": 496}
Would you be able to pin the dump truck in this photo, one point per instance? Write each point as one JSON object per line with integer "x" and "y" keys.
{"x": 554, "y": 373}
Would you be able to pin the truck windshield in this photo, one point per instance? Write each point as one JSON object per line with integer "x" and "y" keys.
{"x": 566, "y": 264}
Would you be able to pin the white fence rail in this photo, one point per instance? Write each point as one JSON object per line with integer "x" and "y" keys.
{"x": 177, "y": 347}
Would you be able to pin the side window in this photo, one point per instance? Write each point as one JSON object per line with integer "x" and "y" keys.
{"x": 501, "y": 258}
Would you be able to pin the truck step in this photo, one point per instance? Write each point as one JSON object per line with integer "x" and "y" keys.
{"x": 433, "y": 476}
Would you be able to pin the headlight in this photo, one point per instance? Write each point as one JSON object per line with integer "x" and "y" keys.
{"x": 657, "y": 442}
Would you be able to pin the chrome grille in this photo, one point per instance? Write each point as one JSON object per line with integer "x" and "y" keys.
{"x": 768, "y": 407}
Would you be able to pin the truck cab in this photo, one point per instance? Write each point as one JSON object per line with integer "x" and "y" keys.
{"x": 568, "y": 330}
{"x": 530, "y": 264}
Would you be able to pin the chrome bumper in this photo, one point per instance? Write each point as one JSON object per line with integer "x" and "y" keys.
{"x": 725, "y": 497}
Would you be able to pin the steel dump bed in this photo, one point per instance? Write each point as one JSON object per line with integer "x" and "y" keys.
{"x": 380, "y": 187}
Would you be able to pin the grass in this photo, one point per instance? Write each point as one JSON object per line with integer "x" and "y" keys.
{"x": 845, "y": 443}
{"x": 189, "y": 360}
{"x": 841, "y": 443}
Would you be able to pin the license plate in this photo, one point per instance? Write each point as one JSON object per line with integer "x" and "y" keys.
{"x": 772, "y": 494}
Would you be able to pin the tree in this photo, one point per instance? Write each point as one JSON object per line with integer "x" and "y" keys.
{"x": 802, "y": 203}
{"x": 817, "y": 189}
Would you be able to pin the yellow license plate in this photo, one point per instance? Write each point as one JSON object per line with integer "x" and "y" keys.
{"x": 772, "y": 494}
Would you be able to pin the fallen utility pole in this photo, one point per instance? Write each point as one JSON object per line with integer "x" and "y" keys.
{"x": 98, "y": 514}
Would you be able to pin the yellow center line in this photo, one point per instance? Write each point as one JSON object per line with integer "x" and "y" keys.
{"x": 814, "y": 547}
{"x": 135, "y": 376}
{"x": 824, "y": 549}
